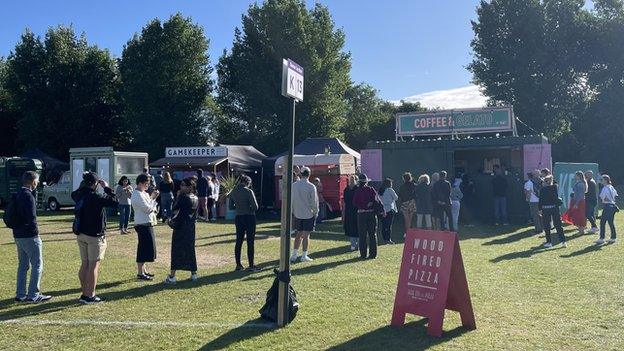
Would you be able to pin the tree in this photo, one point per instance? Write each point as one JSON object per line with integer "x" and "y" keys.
{"x": 250, "y": 75}
{"x": 63, "y": 91}
{"x": 166, "y": 85}
{"x": 8, "y": 117}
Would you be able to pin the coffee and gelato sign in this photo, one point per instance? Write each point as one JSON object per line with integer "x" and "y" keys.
{"x": 196, "y": 151}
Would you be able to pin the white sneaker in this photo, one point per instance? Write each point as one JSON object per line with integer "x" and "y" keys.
{"x": 594, "y": 230}
{"x": 547, "y": 245}
{"x": 170, "y": 280}
{"x": 306, "y": 259}
{"x": 293, "y": 258}
{"x": 564, "y": 244}
{"x": 352, "y": 248}
{"x": 611, "y": 241}
{"x": 599, "y": 242}
{"x": 193, "y": 277}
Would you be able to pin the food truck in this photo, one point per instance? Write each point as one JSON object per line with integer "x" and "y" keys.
{"x": 11, "y": 171}
{"x": 110, "y": 166}
{"x": 333, "y": 170}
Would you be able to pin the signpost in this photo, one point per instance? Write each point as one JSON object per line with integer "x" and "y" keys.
{"x": 292, "y": 86}
{"x": 432, "y": 279}
{"x": 450, "y": 122}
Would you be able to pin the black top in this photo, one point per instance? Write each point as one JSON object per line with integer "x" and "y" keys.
{"x": 26, "y": 212}
{"x": 407, "y": 192}
{"x": 202, "y": 187}
{"x": 165, "y": 187}
{"x": 441, "y": 192}
{"x": 499, "y": 185}
{"x": 549, "y": 196}
{"x": 93, "y": 215}
{"x": 423, "y": 199}
{"x": 590, "y": 195}
{"x": 186, "y": 205}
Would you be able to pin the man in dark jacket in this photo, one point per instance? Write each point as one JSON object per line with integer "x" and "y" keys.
{"x": 29, "y": 246}
{"x": 91, "y": 219}
{"x": 441, "y": 195}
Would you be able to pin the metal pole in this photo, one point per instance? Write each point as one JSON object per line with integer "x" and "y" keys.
{"x": 282, "y": 307}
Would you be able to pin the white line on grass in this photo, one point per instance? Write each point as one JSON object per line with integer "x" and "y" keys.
{"x": 137, "y": 324}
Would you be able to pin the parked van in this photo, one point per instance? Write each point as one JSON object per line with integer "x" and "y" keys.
{"x": 11, "y": 171}
{"x": 110, "y": 166}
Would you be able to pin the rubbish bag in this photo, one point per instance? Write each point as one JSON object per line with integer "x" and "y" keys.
{"x": 269, "y": 310}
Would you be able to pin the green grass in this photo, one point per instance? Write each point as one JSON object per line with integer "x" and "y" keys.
{"x": 524, "y": 298}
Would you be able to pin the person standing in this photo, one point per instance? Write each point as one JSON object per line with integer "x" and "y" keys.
{"x": 388, "y": 198}
{"x": 576, "y": 212}
{"x": 364, "y": 199}
{"x": 468, "y": 205}
{"x": 548, "y": 204}
{"x": 91, "y": 228}
{"x": 246, "y": 206}
{"x": 349, "y": 213}
{"x": 407, "y": 198}
{"x": 183, "y": 256}
{"x": 216, "y": 187}
{"x": 436, "y": 221}
{"x": 591, "y": 201}
{"x": 144, "y": 206}
{"x": 531, "y": 196}
{"x": 424, "y": 203}
{"x": 305, "y": 208}
{"x": 442, "y": 202}
{"x": 209, "y": 199}
{"x": 456, "y": 196}
{"x": 609, "y": 209}
{"x": 157, "y": 180}
{"x": 123, "y": 191}
{"x": 202, "y": 195}
{"x": 28, "y": 242}
{"x": 166, "y": 187}
{"x": 499, "y": 189}
{"x": 152, "y": 181}
{"x": 322, "y": 205}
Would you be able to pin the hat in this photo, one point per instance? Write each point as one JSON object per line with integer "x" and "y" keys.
{"x": 362, "y": 178}
{"x": 305, "y": 171}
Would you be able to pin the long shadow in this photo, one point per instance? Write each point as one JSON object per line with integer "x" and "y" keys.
{"x": 585, "y": 250}
{"x": 411, "y": 336}
{"x": 231, "y": 241}
{"x": 512, "y": 238}
{"x": 249, "y": 330}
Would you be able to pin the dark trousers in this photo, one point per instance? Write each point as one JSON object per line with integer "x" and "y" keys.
{"x": 552, "y": 214}
{"x": 590, "y": 209}
{"x": 608, "y": 215}
{"x": 367, "y": 228}
{"x": 386, "y": 225}
{"x": 440, "y": 211}
{"x": 245, "y": 226}
{"x": 210, "y": 203}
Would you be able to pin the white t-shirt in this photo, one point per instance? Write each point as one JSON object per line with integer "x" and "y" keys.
{"x": 528, "y": 186}
{"x": 305, "y": 202}
{"x": 608, "y": 194}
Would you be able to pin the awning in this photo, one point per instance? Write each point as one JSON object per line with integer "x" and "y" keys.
{"x": 194, "y": 162}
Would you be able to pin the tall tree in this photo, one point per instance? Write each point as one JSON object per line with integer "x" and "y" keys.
{"x": 63, "y": 91}
{"x": 8, "y": 116}
{"x": 250, "y": 75}
{"x": 166, "y": 85}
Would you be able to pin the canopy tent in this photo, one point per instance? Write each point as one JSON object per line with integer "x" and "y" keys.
{"x": 53, "y": 168}
{"x": 240, "y": 158}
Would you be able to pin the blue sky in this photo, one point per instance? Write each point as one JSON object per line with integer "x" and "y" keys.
{"x": 401, "y": 47}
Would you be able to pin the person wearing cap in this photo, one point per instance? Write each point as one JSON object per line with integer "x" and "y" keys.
{"x": 364, "y": 200}
{"x": 305, "y": 208}
{"x": 90, "y": 224}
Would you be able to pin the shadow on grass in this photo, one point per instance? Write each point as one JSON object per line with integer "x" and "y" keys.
{"x": 411, "y": 336}
{"x": 249, "y": 330}
{"x": 588, "y": 249}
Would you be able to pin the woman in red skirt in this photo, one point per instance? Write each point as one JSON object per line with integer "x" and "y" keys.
{"x": 576, "y": 213}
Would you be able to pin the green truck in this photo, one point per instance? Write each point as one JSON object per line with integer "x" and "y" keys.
{"x": 110, "y": 165}
{"x": 11, "y": 171}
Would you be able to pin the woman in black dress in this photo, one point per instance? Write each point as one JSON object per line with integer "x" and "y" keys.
{"x": 350, "y": 214}
{"x": 183, "y": 239}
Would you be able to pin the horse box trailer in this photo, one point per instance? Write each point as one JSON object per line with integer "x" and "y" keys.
{"x": 110, "y": 166}
{"x": 11, "y": 171}
{"x": 333, "y": 170}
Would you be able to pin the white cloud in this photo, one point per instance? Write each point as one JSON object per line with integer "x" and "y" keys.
{"x": 465, "y": 97}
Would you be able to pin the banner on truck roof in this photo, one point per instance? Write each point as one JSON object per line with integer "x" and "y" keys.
{"x": 467, "y": 121}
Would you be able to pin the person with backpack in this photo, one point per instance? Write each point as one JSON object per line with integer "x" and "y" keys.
{"x": 90, "y": 228}
{"x": 21, "y": 216}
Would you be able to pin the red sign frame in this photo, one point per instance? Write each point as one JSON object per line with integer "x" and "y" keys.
{"x": 432, "y": 279}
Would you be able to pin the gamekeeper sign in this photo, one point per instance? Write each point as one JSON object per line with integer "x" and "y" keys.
{"x": 432, "y": 279}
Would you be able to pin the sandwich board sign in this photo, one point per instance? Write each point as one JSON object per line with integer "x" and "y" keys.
{"x": 432, "y": 279}
{"x": 292, "y": 79}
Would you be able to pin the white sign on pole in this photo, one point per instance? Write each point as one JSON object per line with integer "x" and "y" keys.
{"x": 292, "y": 79}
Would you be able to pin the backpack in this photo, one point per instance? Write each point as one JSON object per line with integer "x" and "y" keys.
{"x": 10, "y": 216}
{"x": 77, "y": 216}
{"x": 269, "y": 310}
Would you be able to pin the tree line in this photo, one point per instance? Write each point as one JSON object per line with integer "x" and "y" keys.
{"x": 59, "y": 91}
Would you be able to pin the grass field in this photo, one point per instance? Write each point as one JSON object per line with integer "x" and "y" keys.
{"x": 524, "y": 298}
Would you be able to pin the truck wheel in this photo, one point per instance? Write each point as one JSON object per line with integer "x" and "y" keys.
{"x": 53, "y": 205}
